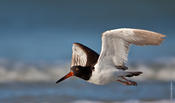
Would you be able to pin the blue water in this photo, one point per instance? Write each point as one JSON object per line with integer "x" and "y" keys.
{"x": 45, "y": 31}
{"x": 72, "y": 90}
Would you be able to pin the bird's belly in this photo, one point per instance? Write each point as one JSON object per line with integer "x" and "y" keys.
{"x": 101, "y": 78}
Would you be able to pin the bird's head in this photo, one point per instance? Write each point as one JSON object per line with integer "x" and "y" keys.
{"x": 78, "y": 71}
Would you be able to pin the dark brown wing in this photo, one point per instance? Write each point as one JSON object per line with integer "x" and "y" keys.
{"x": 83, "y": 56}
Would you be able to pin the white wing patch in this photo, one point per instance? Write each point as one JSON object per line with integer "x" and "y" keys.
{"x": 79, "y": 57}
{"x": 115, "y": 44}
{"x": 120, "y": 50}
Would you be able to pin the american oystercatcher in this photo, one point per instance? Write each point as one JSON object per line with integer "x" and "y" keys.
{"x": 109, "y": 66}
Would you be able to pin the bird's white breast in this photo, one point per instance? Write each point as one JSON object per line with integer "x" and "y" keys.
{"x": 103, "y": 76}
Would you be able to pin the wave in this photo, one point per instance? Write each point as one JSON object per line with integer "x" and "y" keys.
{"x": 22, "y": 72}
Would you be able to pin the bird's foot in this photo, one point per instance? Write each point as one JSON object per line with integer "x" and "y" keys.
{"x": 131, "y": 83}
{"x": 128, "y": 82}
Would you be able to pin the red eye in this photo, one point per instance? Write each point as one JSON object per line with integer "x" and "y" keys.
{"x": 76, "y": 69}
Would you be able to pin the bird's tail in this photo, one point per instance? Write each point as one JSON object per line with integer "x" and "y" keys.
{"x": 131, "y": 74}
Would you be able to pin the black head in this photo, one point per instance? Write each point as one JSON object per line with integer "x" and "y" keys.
{"x": 78, "y": 71}
{"x": 82, "y": 72}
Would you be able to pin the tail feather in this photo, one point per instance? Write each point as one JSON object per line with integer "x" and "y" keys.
{"x": 131, "y": 74}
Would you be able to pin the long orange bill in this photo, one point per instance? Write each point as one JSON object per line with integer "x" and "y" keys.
{"x": 65, "y": 77}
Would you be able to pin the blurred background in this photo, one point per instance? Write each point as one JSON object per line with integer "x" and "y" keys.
{"x": 36, "y": 39}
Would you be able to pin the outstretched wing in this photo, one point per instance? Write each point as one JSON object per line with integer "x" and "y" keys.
{"x": 115, "y": 44}
{"x": 83, "y": 56}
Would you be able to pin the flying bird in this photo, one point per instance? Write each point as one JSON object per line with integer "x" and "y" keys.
{"x": 110, "y": 66}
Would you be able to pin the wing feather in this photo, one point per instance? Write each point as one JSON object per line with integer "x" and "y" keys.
{"x": 83, "y": 56}
{"x": 115, "y": 44}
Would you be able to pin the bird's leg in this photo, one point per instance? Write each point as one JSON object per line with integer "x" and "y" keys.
{"x": 126, "y": 81}
{"x": 129, "y": 82}
{"x": 123, "y": 82}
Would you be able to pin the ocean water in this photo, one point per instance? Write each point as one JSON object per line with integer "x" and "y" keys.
{"x": 35, "y": 31}
{"x": 34, "y": 83}
{"x": 35, "y": 50}
{"x": 78, "y": 91}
